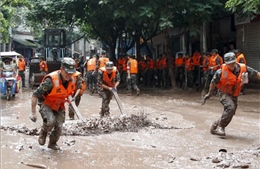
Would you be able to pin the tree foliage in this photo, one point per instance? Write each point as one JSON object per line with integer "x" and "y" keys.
{"x": 8, "y": 10}
{"x": 244, "y": 6}
{"x": 131, "y": 20}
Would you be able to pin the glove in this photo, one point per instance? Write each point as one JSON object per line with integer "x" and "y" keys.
{"x": 33, "y": 117}
{"x": 114, "y": 89}
{"x": 206, "y": 97}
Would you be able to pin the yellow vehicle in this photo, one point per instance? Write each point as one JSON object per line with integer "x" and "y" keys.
{"x": 54, "y": 49}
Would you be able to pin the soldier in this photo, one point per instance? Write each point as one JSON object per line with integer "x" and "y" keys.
{"x": 21, "y": 69}
{"x": 102, "y": 60}
{"x": 51, "y": 96}
{"x": 189, "y": 68}
{"x": 43, "y": 66}
{"x": 229, "y": 80}
{"x": 92, "y": 74}
{"x": 240, "y": 58}
{"x": 179, "y": 70}
{"x": 108, "y": 80}
{"x": 150, "y": 71}
{"x": 196, "y": 57}
{"x": 165, "y": 71}
{"x": 132, "y": 72}
{"x": 215, "y": 63}
{"x": 205, "y": 65}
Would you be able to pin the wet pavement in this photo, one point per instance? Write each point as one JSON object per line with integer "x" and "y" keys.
{"x": 160, "y": 129}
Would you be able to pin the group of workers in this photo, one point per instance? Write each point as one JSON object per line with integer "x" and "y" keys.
{"x": 105, "y": 77}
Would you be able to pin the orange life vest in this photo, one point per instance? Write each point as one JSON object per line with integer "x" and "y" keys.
{"x": 213, "y": 62}
{"x": 106, "y": 80}
{"x": 56, "y": 98}
{"x": 83, "y": 85}
{"x": 230, "y": 83}
{"x": 43, "y": 66}
{"x": 205, "y": 63}
{"x": 120, "y": 62}
{"x": 133, "y": 66}
{"x": 164, "y": 63}
{"x": 21, "y": 65}
{"x": 125, "y": 64}
{"x": 91, "y": 64}
{"x": 196, "y": 59}
{"x": 188, "y": 64}
{"x": 158, "y": 64}
{"x": 151, "y": 66}
{"x": 179, "y": 61}
{"x": 239, "y": 57}
{"x": 102, "y": 62}
{"x": 142, "y": 65}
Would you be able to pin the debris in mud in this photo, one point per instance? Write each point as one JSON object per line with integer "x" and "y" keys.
{"x": 235, "y": 160}
{"x": 35, "y": 165}
{"x": 171, "y": 159}
{"x": 123, "y": 123}
{"x": 70, "y": 142}
{"x": 195, "y": 159}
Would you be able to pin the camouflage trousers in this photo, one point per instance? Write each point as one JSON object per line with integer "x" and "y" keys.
{"x": 106, "y": 96}
{"x": 91, "y": 80}
{"x": 230, "y": 105}
{"x": 52, "y": 122}
{"x": 131, "y": 83}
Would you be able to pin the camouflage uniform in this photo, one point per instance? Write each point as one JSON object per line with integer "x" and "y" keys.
{"x": 52, "y": 120}
{"x": 132, "y": 82}
{"x": 228, "y": 101}
{"x": 105, "y": 94}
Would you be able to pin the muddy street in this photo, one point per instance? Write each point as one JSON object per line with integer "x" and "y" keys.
{"x": 160, "y": 129}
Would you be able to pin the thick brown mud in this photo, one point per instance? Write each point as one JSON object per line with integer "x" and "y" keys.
{"x": 160, "y": 129}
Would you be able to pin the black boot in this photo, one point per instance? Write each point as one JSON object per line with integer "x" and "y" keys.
{"x": 54, "y": 137}
{"x": 53, "y": 146}
{"x": 42, "y": 136}
{"x": 220, "y": 131}
{"x": 213, "y": 127}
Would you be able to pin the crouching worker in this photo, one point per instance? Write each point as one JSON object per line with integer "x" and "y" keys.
{"x": 51, "y": 96}
{"x": 80, "y": 88}
{"x": 108, "y": 80}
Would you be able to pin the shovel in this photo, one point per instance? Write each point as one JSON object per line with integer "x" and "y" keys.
{"x": 119, "y": 103}
{"x": 76, "y": 110}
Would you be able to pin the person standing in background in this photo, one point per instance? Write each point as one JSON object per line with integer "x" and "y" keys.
{"x": 21, "y": 69}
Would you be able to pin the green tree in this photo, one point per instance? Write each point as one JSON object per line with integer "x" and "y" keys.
{"x": 131, "y": 20}
{"x": 8, "y": 11}
{"x": 244, "y": 6}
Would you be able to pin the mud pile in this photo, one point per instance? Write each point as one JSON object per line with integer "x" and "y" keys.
{"x": 123, "y": 123}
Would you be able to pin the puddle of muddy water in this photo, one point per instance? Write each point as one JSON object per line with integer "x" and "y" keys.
{"x": 172, "y": 133}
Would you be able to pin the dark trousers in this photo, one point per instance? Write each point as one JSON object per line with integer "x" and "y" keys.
{"x": 230, "y": 105}
{"x": 22, "y": 74}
